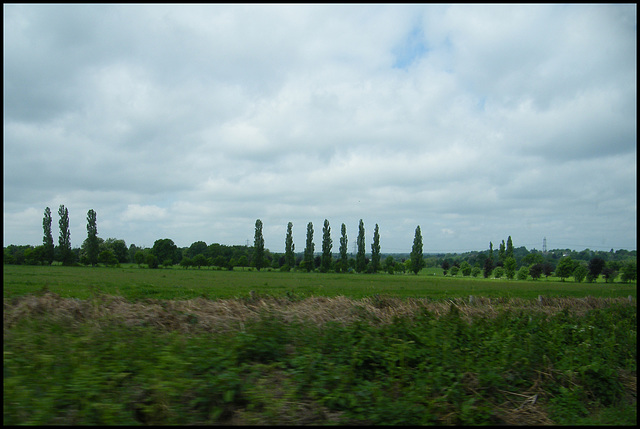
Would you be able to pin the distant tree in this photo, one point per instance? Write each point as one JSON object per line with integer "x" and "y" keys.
{"x": 445, "y": 267}
{"x": 501, "y": 253}
{"x": 47, "y": 239}
{"x": 186, "y": 262}
{"x": 535, "y": 271}
{"x": 454, "y": 270}
{"x": 509, "y": 251}
{"x": 289, "y": 255}
{"x": 375, "y": 250}
{"x": 197, "y": 248}
{"x": 488, "y": 265}
{"x": 510, "y": 267}
{"x": 64, "y": 241}
{"x": 565, "y": 268}
{"x": 547, "y": 269}
{"x": 465, "y": 267}
{"x": 595, "y": 268}
{"x": 523, "y": 273}
{"x": 139, "y": 257}
{"x": 475, "y": 271}
{"x": 389, "y": 264}
{"x": 327, "y": 244}
{"x": 258, "y": 246}
{"x": 629, "y": 271}
{"x": 609, "y": 272}
{"x": 417, "y": 261}
{"x": 118, "y": 247}
{"x": 498, "y": 272}
{"x": 151, "y": 260}
{"x": 309, "y": 249}
{"x": 490, "y": 254}
{"x": 220, "y": 261}
{"x": 92, "y": 238}
{"x": 532, "y": 258}
{"x": 243, "y": 261}
{"x": 132, "y": 252}
{"x": 579, "y": 273}
{"x": 343, "y": 249}
{"x": 199, "y": 260}
{"x": 108, "y": 258}
{"x": 33, "y": 255}
{"x": 165, "y": 249}
{"x": 361, "y": 262}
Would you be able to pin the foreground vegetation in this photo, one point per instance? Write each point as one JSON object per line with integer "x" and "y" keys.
{"x": 173, "y": 346}
{"x": 379, "y": 360}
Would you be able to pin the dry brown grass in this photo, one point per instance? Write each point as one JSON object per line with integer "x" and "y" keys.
{"x": 231, "y": 314}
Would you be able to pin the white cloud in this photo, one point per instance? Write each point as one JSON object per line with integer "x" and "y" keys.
{"x": 143, "y": 213}
{"x": 192, "y": 121}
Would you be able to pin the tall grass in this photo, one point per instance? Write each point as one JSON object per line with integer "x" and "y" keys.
{"x": 449, "y": 366}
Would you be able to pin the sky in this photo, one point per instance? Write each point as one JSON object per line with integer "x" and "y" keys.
{"x": 190, "y": 122}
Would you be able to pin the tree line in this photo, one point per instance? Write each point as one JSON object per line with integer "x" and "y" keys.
{"x": 507, "y": 261}
{"x": 521, "y": 264}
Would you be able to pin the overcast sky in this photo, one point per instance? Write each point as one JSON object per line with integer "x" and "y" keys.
{"x": 190, "y": 122}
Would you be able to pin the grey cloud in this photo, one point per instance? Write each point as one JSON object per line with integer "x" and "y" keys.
{"x": 202, "y": 118}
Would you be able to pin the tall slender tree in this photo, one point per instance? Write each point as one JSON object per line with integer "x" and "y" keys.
{"x": 361, "y": 262}
{"x": 64, "y": 241}
{"x": 343, "y": 249}
{"x": 289, "y": 247}
{"x": 509, "y": 251}
{"x": 327, "y": 244}
{"x": 491, "y": 251}
{"x": 309, "y": 249}
{"x": 47, "y": 239}
{"x": 488, "y": 263}
{"x": 375, "y": 250}
{"x": 258, "y": 246}
{"x": 501, "y": 254}
{"x": 417, "y": 261}
{"x": 93, "y": 246}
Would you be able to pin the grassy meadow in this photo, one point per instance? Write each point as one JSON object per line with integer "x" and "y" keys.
{"x": 136, "y": 346}
{"x": 135, "y": 283}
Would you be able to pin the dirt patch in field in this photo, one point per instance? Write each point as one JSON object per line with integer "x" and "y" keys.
{"x": 231, "y": 314}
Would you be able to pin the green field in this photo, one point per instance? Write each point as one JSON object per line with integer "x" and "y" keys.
{"x": 136, "y": 346}
{"x": 135, "y": 283}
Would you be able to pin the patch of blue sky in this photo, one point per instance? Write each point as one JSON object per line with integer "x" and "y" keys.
{"x": 411, "y": 49}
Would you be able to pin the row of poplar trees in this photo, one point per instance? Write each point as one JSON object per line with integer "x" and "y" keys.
{"x": 65, "y": 254}
{"x": 326, "y": 260}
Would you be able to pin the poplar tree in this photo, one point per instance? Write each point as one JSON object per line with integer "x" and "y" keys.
{"x": 361, "y": 262}
{"x": 501, "y": 253}
{"x": 417, "y": 261}
{"x": 308, "y": 250}
{"x": 92, "y": 238}
{"x": 47, "y": 239}
{"x": 343, "y": 249}
{"x": 64, "y": 241}
{"x": 509, "y": 252}
{"x": 289, "y": 247}
{"x": 491, "y": 251}
{"x": 488, "y": 263}
{"x": 258, "y": 246}
{"x": 327, "y": 244}
{"x": 375, "y": 250}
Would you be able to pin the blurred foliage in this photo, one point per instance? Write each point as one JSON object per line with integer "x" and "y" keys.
{"x": 564, "y": 368}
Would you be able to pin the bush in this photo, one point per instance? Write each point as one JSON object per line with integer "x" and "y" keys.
{"x": 425, "y": 369}
{"x": 523, "y": 273}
